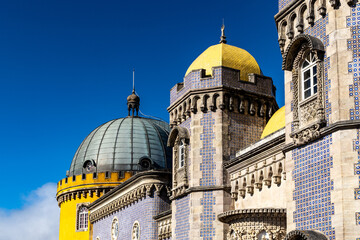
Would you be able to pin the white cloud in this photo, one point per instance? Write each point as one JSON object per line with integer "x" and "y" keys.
{"x": 37, "y": 220}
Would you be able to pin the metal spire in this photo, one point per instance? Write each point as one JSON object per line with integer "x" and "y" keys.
{"x": 223, "y": 38}
{"x": 133, "y": 91}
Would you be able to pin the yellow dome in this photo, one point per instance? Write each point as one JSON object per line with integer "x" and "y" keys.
{"x": 227, "y": 56}
{"x": 276, "y": 122}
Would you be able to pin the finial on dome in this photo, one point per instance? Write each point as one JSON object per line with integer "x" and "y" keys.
{"x": 133, "y": 100}
{"x": 223, "y": 38}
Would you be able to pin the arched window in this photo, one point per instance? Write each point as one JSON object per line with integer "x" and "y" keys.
{"x": 136, "y": 231}
{"x": 309, "y": 76}
{"x": 115, "y": 229}
{"x": 181, "y": 153}
{"x": 82, "y": 219}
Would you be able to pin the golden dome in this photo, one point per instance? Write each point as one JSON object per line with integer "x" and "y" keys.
{"x": 227, "y": 56}
{"x": 276, "y": 122}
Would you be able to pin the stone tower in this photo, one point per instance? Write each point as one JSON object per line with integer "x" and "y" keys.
{"x": 319, "y": 41}
{"x": 221, "y": 106}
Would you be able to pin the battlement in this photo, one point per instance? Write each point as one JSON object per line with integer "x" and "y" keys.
{"x": 91, "y": 180}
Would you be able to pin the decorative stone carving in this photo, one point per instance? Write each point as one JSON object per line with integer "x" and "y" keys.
{"x": 311, "y": 111}
{"x": 125, "y": 200}
{"x": 306, "y": 135}
{"x": 251, "y": 223}
{"x": 257, "y": 176}
{"x": 308, "y": 112}
{"x": 335, "y": 3}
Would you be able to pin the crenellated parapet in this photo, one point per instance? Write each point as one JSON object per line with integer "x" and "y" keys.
{"x": 88, "y": 185}
{"x": 254, "y": 97}
{"x": 301, "y": 14}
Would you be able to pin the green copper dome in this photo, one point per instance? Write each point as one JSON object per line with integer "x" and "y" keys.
{"x": 121, "y": 145}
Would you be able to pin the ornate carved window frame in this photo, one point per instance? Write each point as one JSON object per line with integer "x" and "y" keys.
{"x": 179, "y": 139}
{"x": 308, "y": 114}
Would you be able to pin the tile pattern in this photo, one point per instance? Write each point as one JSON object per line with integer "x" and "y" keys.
{"x": 207, "y": 217}
{"x": 284, "y": 3}
{"x": 194, "y": 81}
{"x": 313, "y": 185}
{"x": 353, "y": 22}
{"x": 244, "y": 130}
{"x": 207, "y": 166}
{"x": 142, "y": 211}
{"x": 182, "y": 228}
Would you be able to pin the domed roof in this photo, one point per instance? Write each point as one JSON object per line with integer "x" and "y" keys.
{"x": 227, "y": 56}
{"x": 276, "y": 122}
{"x": 120, "y": 144}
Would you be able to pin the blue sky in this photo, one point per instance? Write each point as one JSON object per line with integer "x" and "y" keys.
{"x": 66, "y": 67}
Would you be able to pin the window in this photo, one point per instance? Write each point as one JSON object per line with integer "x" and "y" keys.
{"x": 181, "y": 154}
{"x": 263, "y": 235}
{"x": 136, "y": 231}
{"x": 115, "y": 229}
{"x": 82, "y": 223}
{"x": 309, "y": 76}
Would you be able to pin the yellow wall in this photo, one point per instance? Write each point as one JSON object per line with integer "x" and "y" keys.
{"x": 68, "y": 208}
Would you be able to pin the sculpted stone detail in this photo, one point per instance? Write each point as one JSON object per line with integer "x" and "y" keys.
{"x": 308, "y": 112}
{"x": 240, "y": 102}
{"x": 307, "y": 135}
{"x": 249, "y": 224}
{"x": 125, "y": 200}
{"x": 81, "y": 193}
{"x": 256, "y": 177}
{"x": 308, "y": 115}
{"x": 164, "y": 229}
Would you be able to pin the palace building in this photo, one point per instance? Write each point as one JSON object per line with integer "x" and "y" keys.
{"x": 231, "y": 164}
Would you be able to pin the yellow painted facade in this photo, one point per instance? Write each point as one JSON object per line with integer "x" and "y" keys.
{"x": 276, "y": 122}
{"x": 76, "y": 189}
{"x": 227, "y": 56}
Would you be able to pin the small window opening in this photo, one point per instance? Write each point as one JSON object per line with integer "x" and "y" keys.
{"x": 309, "y": 76}
{"x": 181, "y": 154}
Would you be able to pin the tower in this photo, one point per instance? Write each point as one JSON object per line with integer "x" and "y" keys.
{"x": 107, "y": 157}
{"x": 221, "y": 106}
{"x": 319, "y": 42}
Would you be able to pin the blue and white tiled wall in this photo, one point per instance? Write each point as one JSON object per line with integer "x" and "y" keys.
{"x": 313, "y": 186}
{"x": 353, "y": 22}
{"x": 208, "y": 178}
{"x": 194, "y": 81}
{"x": 182, "y": 213}
{"x": 283, "y": 3}
{"x": 142, "y": 211}
{"x": 314, "y": 208}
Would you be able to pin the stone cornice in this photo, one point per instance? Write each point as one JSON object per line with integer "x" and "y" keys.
{"x": 135, "y": 195}
{"x": 217, "y": 89}
{"x": 340, "y": 125}
{"x": 228, "y": 216}
{"x": 163, "y": 215}
{"x": 187, "y": 191}
{"x": 82, "y": 193}
{"x": 153, "y": 174}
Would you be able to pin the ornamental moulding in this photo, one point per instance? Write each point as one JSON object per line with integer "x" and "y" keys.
{"x": 128, "y": 199}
